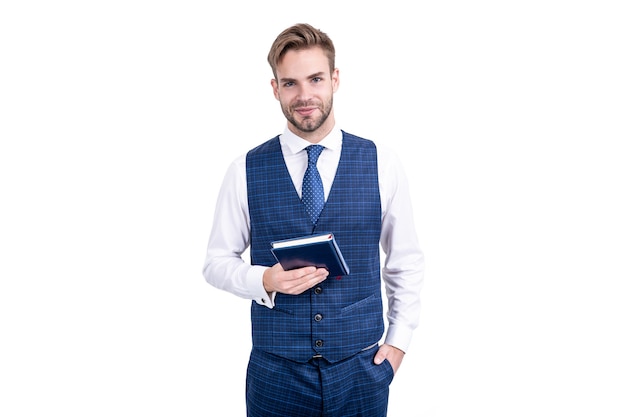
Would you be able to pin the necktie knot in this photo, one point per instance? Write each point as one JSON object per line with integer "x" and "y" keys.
{"x": 314, "y": 152}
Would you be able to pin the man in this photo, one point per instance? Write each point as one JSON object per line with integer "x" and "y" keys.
{"x": 316, "y": 338}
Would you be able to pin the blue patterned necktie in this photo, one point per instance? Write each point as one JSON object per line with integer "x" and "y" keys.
{"x": 312, "y": 187}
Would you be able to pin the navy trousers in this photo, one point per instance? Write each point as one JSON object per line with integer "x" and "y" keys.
{"x": 277, "y": 387}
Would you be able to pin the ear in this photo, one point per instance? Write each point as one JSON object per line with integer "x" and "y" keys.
{"x": 275, "y": 88}
{"x": 335, "y": 79}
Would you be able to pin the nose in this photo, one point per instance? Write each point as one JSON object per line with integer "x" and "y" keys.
{"x": 304, "y": 91}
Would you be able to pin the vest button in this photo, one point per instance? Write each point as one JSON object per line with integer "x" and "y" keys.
{"x": 319, "y": 343}
{"x": 317, "y": 317}
{"x": 318, "y": 290}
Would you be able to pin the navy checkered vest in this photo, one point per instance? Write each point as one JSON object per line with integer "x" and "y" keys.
{"x": 342, "y": 315}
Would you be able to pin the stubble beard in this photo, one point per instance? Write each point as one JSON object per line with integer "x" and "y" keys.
{"x": 308, "y": 124}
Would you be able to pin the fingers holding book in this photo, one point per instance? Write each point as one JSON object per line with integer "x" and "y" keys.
{"x": 295, "y": 281}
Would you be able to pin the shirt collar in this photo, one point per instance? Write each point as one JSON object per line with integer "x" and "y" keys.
{"x": 296, "y": 144}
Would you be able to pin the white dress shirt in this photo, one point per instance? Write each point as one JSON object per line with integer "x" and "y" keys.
{"x": 403, "y": 266}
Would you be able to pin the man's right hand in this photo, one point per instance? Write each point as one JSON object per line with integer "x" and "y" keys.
{"x": 295, "y": 281}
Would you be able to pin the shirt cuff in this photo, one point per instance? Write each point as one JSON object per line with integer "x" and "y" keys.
{"x": 255, "y": 283}
{"x": 399, "y": 336}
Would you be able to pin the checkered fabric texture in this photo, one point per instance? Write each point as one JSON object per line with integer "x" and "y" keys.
{"x": 342, "y": 315}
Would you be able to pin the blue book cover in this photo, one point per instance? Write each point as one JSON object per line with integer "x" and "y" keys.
{"x": 320, "y": 250}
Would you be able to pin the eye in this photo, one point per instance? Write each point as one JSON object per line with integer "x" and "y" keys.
{"x": 289, "y": 84}
{"x": 316, "y": 79}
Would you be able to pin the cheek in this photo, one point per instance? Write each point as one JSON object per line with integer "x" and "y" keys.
{"x": 285, "y": 98}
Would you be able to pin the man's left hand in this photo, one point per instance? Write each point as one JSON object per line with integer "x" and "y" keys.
{"x": 392, "y": 354}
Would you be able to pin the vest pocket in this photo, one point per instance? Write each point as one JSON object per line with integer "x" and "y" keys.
{"x": 368, "y": 303}
{"x": 280, "y": 309}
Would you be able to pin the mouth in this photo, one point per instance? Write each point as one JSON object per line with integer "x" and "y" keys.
{"x": 305, "y": 111}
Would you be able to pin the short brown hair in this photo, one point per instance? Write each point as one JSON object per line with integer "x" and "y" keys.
{"x": 300, "y": 36}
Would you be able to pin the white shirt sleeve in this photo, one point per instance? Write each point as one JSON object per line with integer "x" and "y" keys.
{"x": 224, "y": 266}
{"x": 403, "y": 268}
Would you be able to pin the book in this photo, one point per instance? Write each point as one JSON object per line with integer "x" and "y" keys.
{"x": 320, "y": 250}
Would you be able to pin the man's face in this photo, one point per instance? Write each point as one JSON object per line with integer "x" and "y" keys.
{"x": 305, "y": 87}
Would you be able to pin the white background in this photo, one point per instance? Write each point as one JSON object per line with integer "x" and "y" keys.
{"x": 118, "y": 120}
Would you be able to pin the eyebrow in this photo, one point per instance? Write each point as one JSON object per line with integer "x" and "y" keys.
{"x": 317, "y": 74}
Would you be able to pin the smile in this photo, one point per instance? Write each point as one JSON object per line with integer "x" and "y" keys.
{"x": 305, "y": 111}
